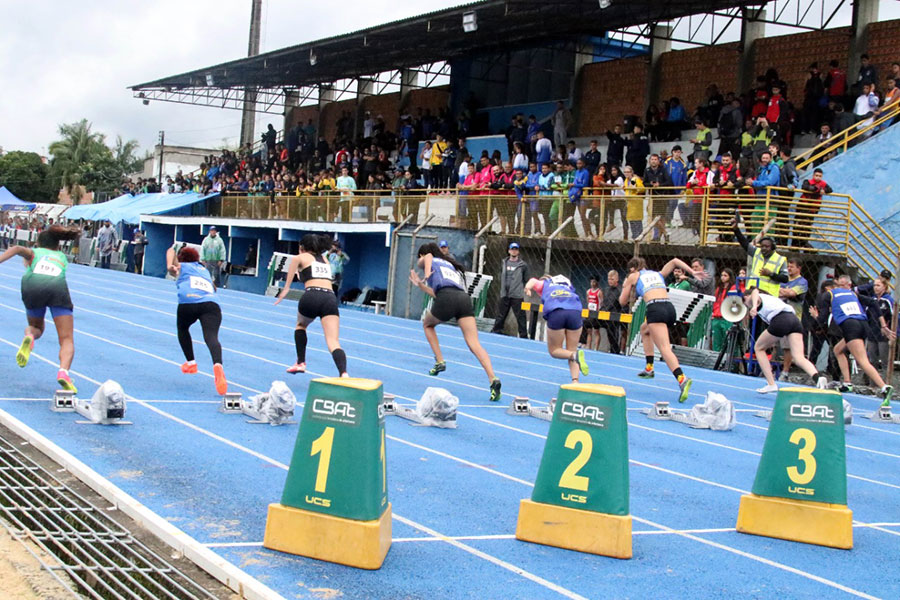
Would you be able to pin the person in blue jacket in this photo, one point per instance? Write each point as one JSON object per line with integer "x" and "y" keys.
{"x": 576, "y": 194}
{"x": 846, "y": 309}
{"x": 445, "y": 281}
{"x": 562, "y": 312}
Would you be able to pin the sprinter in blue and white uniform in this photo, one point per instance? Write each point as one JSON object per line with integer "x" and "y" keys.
{"x": 846, "y": 309}
{"x": 651, "y": 286}
{"x": 317, "y": 302}
{"x": 783, "y": 324}
{"x": 562, "y": 312}
{"x": 197, "y": 302}
{"x": 445, "y": 281}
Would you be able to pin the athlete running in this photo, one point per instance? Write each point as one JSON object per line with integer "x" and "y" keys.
{"x": 562, "y": 311}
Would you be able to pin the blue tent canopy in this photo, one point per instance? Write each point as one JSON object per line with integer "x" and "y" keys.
{"x": 9, "y": 201}
{"x": 128, "y": 209}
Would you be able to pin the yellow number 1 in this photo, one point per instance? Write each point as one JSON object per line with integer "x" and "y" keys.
{"x": 323, "y": 445}
{"x": 570, "y": 477}
{"x": 805, "y": 455}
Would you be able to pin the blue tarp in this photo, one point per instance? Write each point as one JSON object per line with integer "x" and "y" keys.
{"x": 9, "y": 201}
{"x": 129, "y": 209}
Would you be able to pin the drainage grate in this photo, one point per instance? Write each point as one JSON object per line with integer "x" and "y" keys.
{"x": 101, "y": 559}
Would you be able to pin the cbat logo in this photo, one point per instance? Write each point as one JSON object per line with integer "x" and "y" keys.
{"x": 580, "y": 411}
{"x": 812, "y": 411}
{"x": 323, "y": 502}
{"x": 333, "y": 409}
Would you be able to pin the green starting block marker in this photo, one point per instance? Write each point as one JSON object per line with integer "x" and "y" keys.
{"x": 335, "y": 505}
{"x": 580, "y": 499}
{"x": 800, "y": 491}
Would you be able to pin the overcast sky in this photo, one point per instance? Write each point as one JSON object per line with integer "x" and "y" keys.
{"x": 64, "y": 60}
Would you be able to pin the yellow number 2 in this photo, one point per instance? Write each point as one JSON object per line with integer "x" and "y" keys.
{"x": 570, "y": 477}
{"x": 322, "y": 446}
{"x": 805, "y": 455}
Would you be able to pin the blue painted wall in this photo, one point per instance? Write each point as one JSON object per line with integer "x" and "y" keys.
{"x": 159, "y": 238}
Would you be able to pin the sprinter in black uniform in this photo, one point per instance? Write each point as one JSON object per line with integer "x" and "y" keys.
{"x": 318, "y": 300}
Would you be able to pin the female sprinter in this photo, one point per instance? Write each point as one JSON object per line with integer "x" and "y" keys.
{"x": 197, "y": 302}
{"x": 562, "y": 311}
{"x": 782, "y": 321}
{"x": 444, "y": 281}
{"x": 651, "y": 286}
{"x": 318, "y": 300}
{"x": 44, "y": 286}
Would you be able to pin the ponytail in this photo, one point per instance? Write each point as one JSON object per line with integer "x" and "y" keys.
{"x": 50, "y": 238}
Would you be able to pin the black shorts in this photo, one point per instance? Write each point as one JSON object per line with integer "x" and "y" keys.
{"x": 451, "y": 303}
{"x": 593, "y": 323}
{"x": 661, "y": 312}
{"x": 854, "y": 329}
{"x": 318, "y": 302}
{"x": 564, "y": 318}
{"x": 784, "y": 324}
{"x": 36, "y": 296}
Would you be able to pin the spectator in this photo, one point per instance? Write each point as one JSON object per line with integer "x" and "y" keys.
{"x": 507, "y": 203}
{"x": 582, "y": 180}
{"x": 533, "y": 186}
{"x": 793, "y": 292}
{"x": 778, "y": 113}
{"x": 593, "y": 158}
{"x": 573, "y": 153}
{"x": 562, "y": 120}
{"x": 730, "y": 121}
{"x": 213, "y": 255}
{"x": 438, "y": 152}
{"x": 719, "y": 326}
{"x": 703, "y": 141}
{"x": 544, "y": 190}
{"x": 611, "y": 304}
{"x": 697, "y": 187}
{"x": 445, "y": 250}
{"x": 533, "y": 128}
{"x": 425, "y": 161}
{"x": 638, "y": 150}
{"x": 677, "y": 168}
{"x": 107, "y": 242}
{"x": 790, "y": 178}
{"x": 842, "y": 119}
{"x": 513, "y": 277}
{"x": 813, "y": 95}
{"x": 865, "y": 107}
{"x": 676, "y": 119}
{"x": 877, "y": 345}
{"x": 543, "y": 149}
{"x": 767, "y": 175}
{"x": 594, "y": 297}
{"x": 836, "y": 83}
{"x": 867, "y": 73}
{"x": 140, "y": 242}
{"x": 657, "y": 179}
{"x": 520, "y": 159}
{"x": 616, "y": 148}
{"x": 824, "y": 136}
{"x": 811, "y": 200}
{"x": 702, "y": 282}
{"x": 634, "y": 193}
{"x": 337, "y": 258}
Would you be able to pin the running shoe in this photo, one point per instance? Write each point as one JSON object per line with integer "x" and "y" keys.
{"x": 24, "y": 352}
{"x": 582, "y": 363}
{"x": 845, "y": 388}
{"x": 822, "y": 383}
{"x": 685, "y": 386}
{"x": 297, "y": 368}
{"x": 888, "y": 392}
{"x": 65, "y": 382}
{"x": 767, "y": 389}
{"x": 783, "y": 376}
{"x": 645, "y": 374}
{"x": 189, "y": 368}
{"x": 439, "y": 367}
{"x": 221, "y": 383}
{"x": 495, "y": 390}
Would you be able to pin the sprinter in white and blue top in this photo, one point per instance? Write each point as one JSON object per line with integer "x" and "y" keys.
{"x": 562, "y": 311}
{"x": 783, "y": 323}
{"x": 445, "y": 281}
{"x": 651, "y": 287}
{"x": 197, "y": 302}
{"x": 846, "y": 309}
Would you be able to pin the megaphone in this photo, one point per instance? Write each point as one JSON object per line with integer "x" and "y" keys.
{"x": 733, "y": 309}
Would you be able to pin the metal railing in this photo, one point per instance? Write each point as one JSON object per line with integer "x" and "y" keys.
{"x": 842, "y": 140}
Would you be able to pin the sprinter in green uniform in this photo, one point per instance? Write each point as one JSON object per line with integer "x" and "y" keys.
{"x": 44, "y": 286}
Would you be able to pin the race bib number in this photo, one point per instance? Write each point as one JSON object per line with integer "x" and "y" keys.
{"x": 198, "y": 283}
{"x": 451, "y": 275}
{"x": 650, "y": 280}
{"x": 46, "y": 267}
{"x": 320, "y": 270}
{"x": 850, "y": 308}
{"x": 592, "y": 306}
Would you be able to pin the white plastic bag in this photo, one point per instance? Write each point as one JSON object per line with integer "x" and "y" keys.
{"x": 108, "y": 402}
{"x": 437, "y": 408}
{"x": 716, "y": 412}
{"x": 276, "y": 405}
{"x": 848, "y": 413}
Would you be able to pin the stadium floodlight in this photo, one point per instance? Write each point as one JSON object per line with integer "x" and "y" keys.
{"x": 605, "y": 4}
{"x": 470, "y": 22}
{"x": 313, "y": 59}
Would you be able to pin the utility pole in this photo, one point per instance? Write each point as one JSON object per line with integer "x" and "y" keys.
{"x": 162, "y": 154}
{"x": 248, "y": 116}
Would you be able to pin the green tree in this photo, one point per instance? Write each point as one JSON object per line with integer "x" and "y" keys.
{"x": 25, "y": 175}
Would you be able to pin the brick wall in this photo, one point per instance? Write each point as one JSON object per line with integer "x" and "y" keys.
{"x": 685, "y": 74}
{"x": 302, "y": 114}
{"x": 883, "y": 47}
{"x": 607, "y": 91}
{"x": 791, "y": 56}
{"x": 331, "y": 113}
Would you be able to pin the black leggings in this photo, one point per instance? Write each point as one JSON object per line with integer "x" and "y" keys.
{"x": 210, "y": 316}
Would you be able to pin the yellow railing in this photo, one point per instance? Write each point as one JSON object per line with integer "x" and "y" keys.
{"x": 840, "y": 141}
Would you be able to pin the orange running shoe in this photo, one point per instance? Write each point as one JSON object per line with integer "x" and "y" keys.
{"x": 189, "y": 368}
{"x": 221, "y": 383}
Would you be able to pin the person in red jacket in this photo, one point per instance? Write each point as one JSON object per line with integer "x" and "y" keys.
{"x": 835, "y": 82}
{"x": 777, "y": 113}
{"x": 811, "y": 201}
{"x": 509, "y": 202}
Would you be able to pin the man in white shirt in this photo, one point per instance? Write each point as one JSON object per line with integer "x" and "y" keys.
{"x": 865, "y": 107}
{"x": 368, "y": 125}
{"x": 574, "y": 153}
{"x": 346, "y": 185}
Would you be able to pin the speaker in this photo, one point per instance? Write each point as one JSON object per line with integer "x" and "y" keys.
{"x": 733, "y": 309}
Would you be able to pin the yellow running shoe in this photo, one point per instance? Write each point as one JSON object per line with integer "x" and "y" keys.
{"x": 24, "y": 352}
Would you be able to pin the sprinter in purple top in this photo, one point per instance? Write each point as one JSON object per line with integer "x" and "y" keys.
{"x": 562, "y": 311}
{"x": 445, "y": 281}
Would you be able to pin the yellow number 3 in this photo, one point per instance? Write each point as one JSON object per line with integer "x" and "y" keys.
{"x": 805, "y": 454}
{"x": 570, "y": 477}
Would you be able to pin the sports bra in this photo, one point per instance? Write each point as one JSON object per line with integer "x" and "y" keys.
{"x": 320, "y": 268}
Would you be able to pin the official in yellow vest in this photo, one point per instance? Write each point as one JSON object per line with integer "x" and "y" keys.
{"x": 766, "y": 264}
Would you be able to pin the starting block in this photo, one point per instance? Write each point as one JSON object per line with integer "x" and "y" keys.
{"x": 391, "y": 407}
{"x": 63, "y": 401}
{"x": 521, "y": 406}
{"x": 231, "y": 404}
{"x": 661, "y": 412}
{"x": 884, "y": 415}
